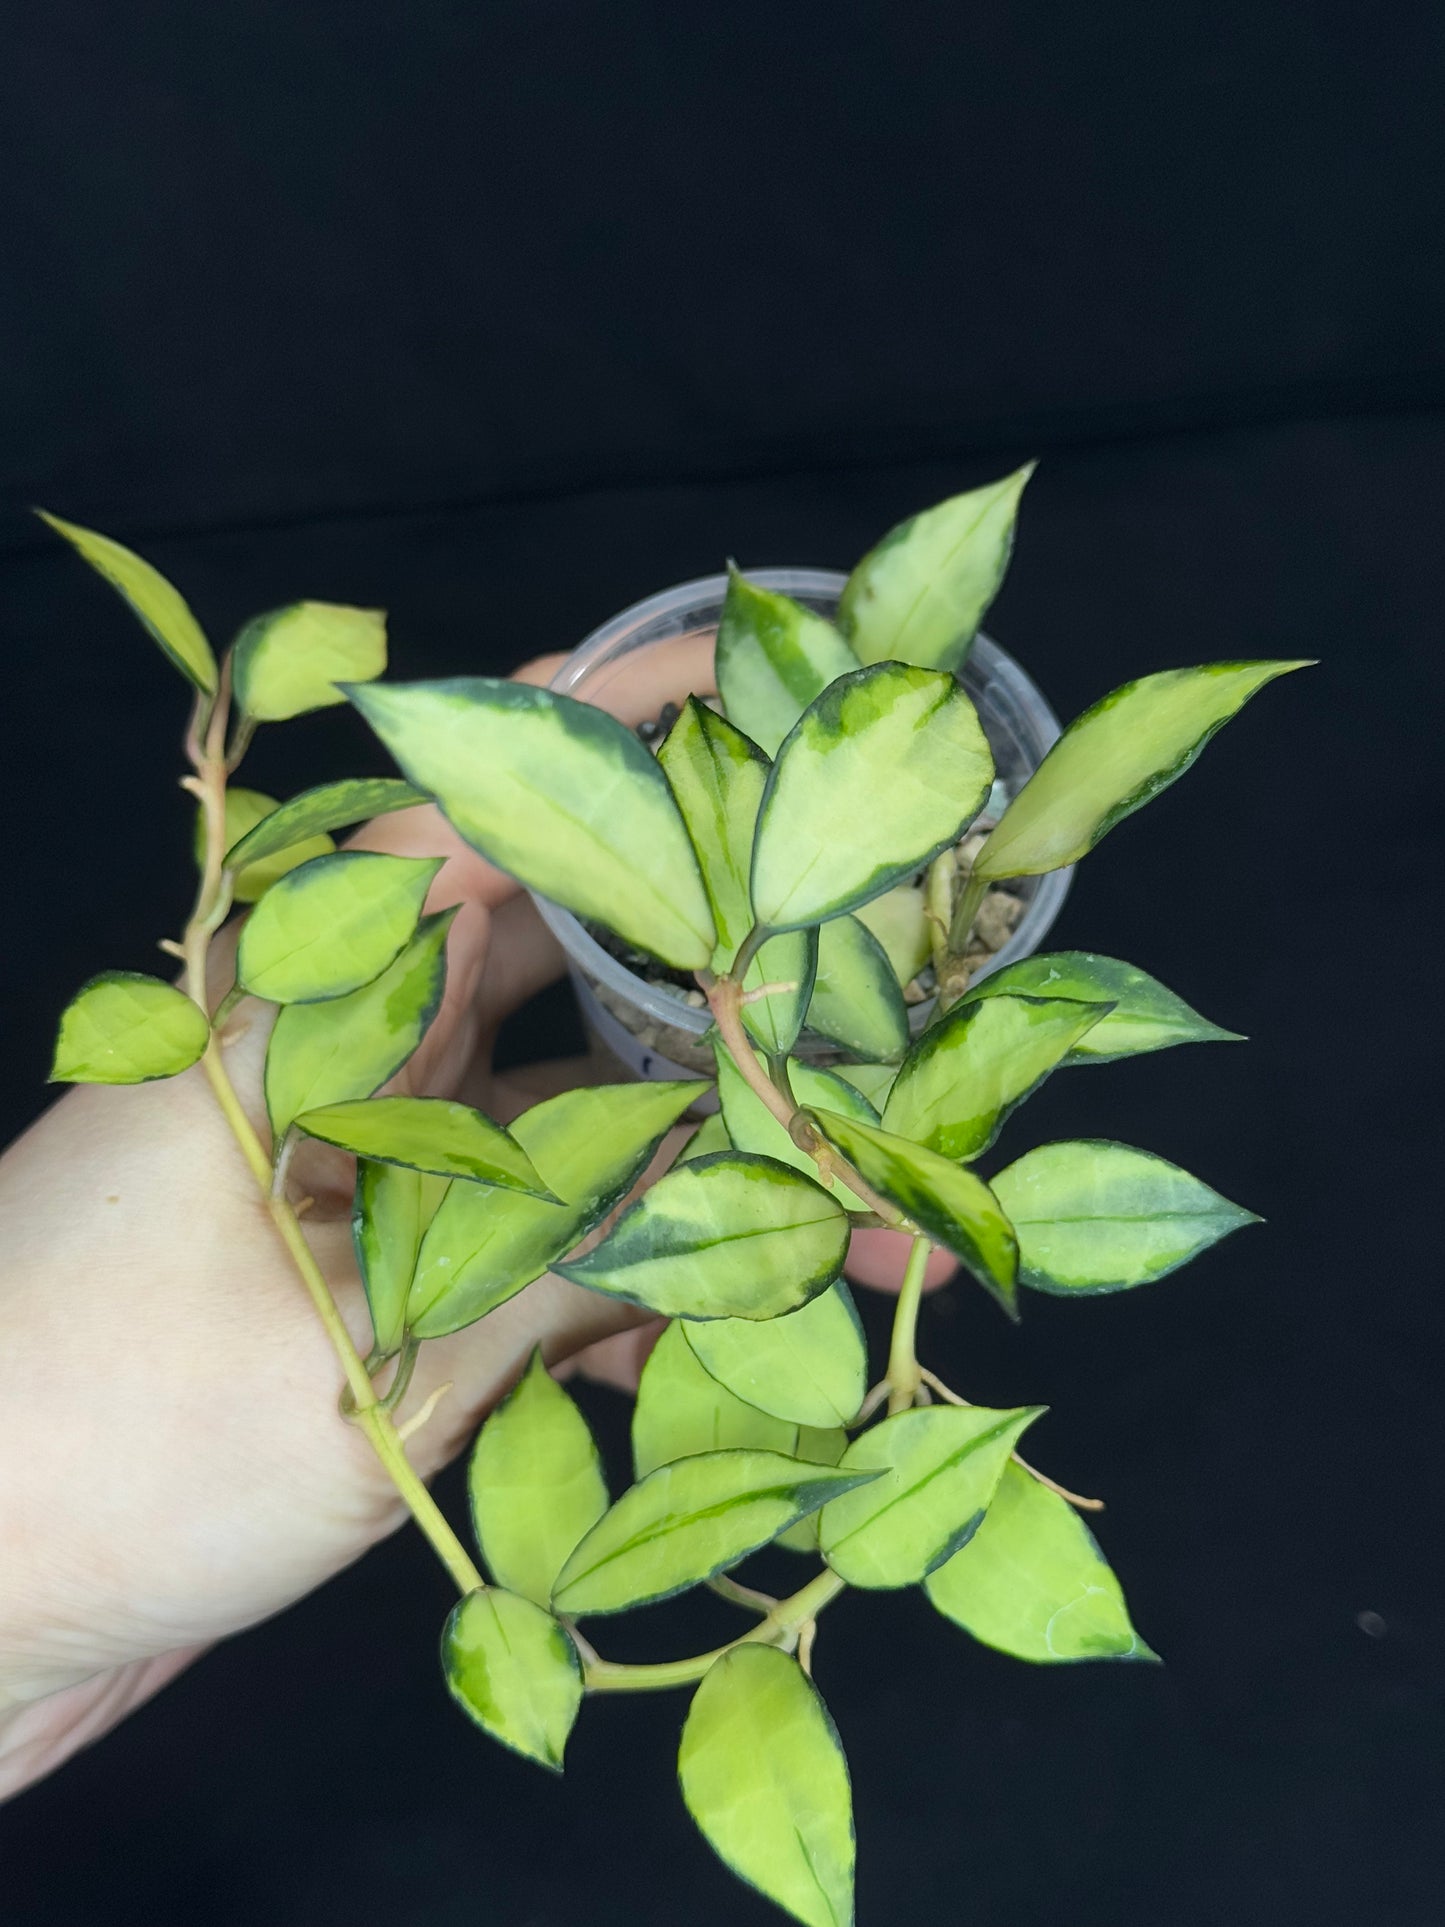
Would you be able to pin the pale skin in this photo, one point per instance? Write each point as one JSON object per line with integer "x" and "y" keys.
{"x": 173, "y": 1466}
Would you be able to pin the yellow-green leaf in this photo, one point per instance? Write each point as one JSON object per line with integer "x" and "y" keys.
{"x": 774, "y": 656}
{"x": 1139, "y": 1013}
{"x": 290, "y": 660}
{"x": 332, "y": 925}
{"x": 946, "y": 1200}
{"x": 292, "y": 827}
{"x": 873, "y": 1082}
{"x": 434, "y": 1134}
{"x": 921, "y": 594}
{"x": 688, "y": 1520}
{"x": 682, "y": 1410}
{"x": 1093, "y": 1216}
{"x": 324, "y": 1053}
{"x": 512, "y": 1668}
{"x": 392, "y": 1210}
{"x": 559, "y": 794}
{"x": 969, "y": 1071}
{"x": 898, "y": 920}
{"x": 717, "y": 776}
{"x": 1113, "y": 759}
{"x": 161, "y": 608}
{"x": 730, "y": 1236}
{"x": 788, "y": 963}
{"x": 126, "y": 1028}
{"x": 857, "y": 1000}
{"x": 536, "y": 1484}
{"x": 811, "y": 1367}
{"x": 590, "y": 1146}
{"x": 763, "y": 1774}
{"x": 938, "y": 1469}
{"x": 1032, "y": 1581}
{"x": 245, "y": 811}
{"x": 882, "y": 772}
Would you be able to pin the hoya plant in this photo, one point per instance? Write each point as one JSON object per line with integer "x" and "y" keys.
{"x": 833, "y": 765}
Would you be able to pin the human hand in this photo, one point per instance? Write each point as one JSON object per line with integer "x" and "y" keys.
{"x": 172, "y": 1466}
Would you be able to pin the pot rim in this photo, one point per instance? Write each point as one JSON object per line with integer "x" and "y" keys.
{"x": 989, "y": 663}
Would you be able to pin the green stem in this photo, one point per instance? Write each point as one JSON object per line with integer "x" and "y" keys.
{"x": 751, "y": 944}
{"x": 212, "y": 902}
{"x": 903, "y": 1373}
{"x": 736, "y": 1594}
{"x": 961, "y": 929}
{"x": 781, "y": 1627}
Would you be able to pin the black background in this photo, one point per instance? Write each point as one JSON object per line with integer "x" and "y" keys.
{"x": 505, "y": 315}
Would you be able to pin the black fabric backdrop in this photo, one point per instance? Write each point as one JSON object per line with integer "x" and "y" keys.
{"x": 504, "y": 315}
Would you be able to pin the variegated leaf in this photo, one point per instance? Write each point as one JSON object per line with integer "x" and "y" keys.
{"x": 882, "y": 772}
{"x": 559, "y": 794}
{"x": 1032, "y": 1581}
{"x": 590, "y": 1147}
{"x": 940, "y": 1467}
{"x": 731, "y": 1236}
{"x": 1092, "y": 1216}
{"x": 920, "y": 595}
{"x": 1113, "y": 759}
{"x": 774, "y": 656}
{"x": 969, "y": 1071}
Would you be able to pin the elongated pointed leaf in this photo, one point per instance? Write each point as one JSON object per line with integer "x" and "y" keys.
{"x": 331, "y": 806}
{"x": 325, "y": 1053}
{"x": 710, "y": 1137}
{"x": 898, "y": 921}
{"x": 774, "y": 1022}
{"x": 126, "y": 1028}
{"x": 884, "y": 770}
{"x": 536, "y": 1484}
{"x": 590, "y": 1147}
{"x": 683, "y": 1410}
{"x": 290, "y": 660}
{"x": 1032, "y": 1581}
{"x": 161, "y": 608}
{"x": 433, "y": 1134}
{"x": 752, "y": 1126}
{"x": 688, "y": 1520}
{"x": 940, "y": 1468}
{"x": 561, "y": 795}
{"x": 332, "y": 925}
{"x": 811, "y": 1367}
{"x": 763, "y": 1774}
{"x": 717, "y": 775}
{"x": 1140, "y": 1014}
{"x": 966, "y": 1074}
{"x": 1093, "y": 1216}
{"x": 245, "y": 811}
{"x": 921, "y": 594}
{"x": 774, "y": 656}
{"x": 512, "y": 1668}
{"x": 392, "y": 1210}
{"x": 1113, "y": 759}
{"x": 731, "y": 1236}
{"x": 947, "y": 1201}
{"x": 857, "y": 1001}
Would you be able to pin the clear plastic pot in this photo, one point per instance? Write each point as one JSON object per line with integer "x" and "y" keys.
{"x": 647, "y": 1029}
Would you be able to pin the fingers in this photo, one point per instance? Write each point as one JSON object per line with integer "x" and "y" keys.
{"x": 524, "y": 957}
{"x": 635, "y": 687}
{"x": 877, "y": 1258}
{"x": 616, "y": 1361}
{"x": 424, "y": 831}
